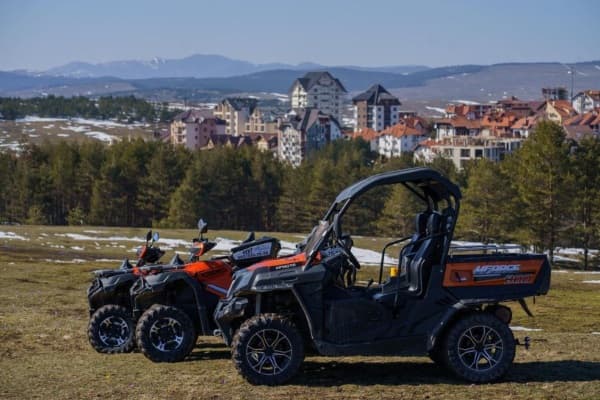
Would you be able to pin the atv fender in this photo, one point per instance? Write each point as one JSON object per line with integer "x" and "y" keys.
{"x": 103, "y": 290}
{"x": 155, "y": 285}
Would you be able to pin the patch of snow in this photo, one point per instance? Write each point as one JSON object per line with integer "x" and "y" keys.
{"x": 436, "y": 109}
{"x": 13, "y": 146}
{"x": 92, "y": 231}
{"x": 78, "y": 129}
{"x": 565, "y": 259}
{"x": 32, "y": 135}
{"x": 595, "y": 333}
{"x": 12, "y": 236}
{"x": 587, "y": 272}
{"x": 78, "y": 248}
{"x": 73, "y": 261}
{"x": 596, "y": 281}
{"x": 467, "y": 102}
{"x": 48, "y": 126}
{"x": 63, "y": 135}
{"x": 524, "y": 329}
{"x": 106, "y": 260}
{"x": 104, "y": 137}
{"x": 33, "y": 118}
{"x": 560, "y": 271}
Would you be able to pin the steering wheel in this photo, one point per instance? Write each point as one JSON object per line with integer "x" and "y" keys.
{"x": 349, "y": 276}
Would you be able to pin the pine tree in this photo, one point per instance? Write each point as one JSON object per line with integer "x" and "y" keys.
{"x": 539, "y": 172}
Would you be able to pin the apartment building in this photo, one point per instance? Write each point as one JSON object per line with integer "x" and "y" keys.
{"x": 304, "y": 133}
{"x": 236, "y": 112}
{"x": 193, "y": 128}
{"x": 318, "y": 90}
{"x": 376, "y": 109}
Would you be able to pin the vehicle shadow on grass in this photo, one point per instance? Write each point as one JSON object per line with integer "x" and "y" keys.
{"x": 204, "y": 351}
{"x": 397, "y": 373}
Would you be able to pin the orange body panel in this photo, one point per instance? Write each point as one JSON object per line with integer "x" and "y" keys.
{"x": 291, "y": 261}
{"x": 492, "y": 273}
{"x": 212, "y": 272}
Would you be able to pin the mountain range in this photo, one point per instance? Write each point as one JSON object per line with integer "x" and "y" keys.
{"x": 210, "y": 77}
{"x": 195, "y": 66}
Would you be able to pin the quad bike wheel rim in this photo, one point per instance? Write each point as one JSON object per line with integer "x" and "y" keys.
{"x": 480, "y": 348}
{"x": 114, "y": 331}
{"x": 269, "y": 352}
{"x": 166, "y": 334}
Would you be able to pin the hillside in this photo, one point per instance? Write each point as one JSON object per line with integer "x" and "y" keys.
{"x": 469, "y": 82}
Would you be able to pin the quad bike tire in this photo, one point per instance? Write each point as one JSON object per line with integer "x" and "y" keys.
{"x": 165, "y": 334}
{"x": 479, "y": 348}
{"x": 267, "y": 350}
{"x": 111, "y": 330}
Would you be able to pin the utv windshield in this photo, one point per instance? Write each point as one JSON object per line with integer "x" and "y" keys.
{"x": 317, "y": 236}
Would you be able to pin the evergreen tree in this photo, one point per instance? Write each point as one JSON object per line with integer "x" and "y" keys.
{"x": 539, "y": 172}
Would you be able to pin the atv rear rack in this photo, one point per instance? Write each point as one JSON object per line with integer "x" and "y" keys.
{"x": 487, "y": 249}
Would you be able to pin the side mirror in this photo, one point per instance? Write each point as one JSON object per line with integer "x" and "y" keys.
{"x": 202, "y": 226}
{"x": 155, "y": 237}
{"x": 148, "y": 236}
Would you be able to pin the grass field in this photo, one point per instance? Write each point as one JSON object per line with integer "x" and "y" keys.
{"x": 44, "y": 351}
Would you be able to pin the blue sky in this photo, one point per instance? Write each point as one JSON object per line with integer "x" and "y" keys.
{"x": 40, "y": 34}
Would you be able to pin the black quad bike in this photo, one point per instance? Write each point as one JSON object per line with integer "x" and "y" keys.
{"x": 111, "y": 327}
{"x": 441, "y": 304}
{"x": 173, "y": 307}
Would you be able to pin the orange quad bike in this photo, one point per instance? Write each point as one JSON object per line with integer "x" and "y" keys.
{"x": 174, "y": 306}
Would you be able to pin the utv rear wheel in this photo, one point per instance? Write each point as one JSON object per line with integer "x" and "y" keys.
{"x": 267, "y": 350}
{"x": 479, "y": 348}
{"x": 165, "y": 334}
{"x": 111, "y": 330}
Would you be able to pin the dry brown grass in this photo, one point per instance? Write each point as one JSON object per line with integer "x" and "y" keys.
{"x": 44, "y": 351}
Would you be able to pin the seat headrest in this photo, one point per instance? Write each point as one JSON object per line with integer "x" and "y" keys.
{"x": 421, "y": 223}
{"x": 433, "y": 223}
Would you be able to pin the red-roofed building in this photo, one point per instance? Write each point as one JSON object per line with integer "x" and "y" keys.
{"x": 398, "y": 139}
{"x": 586, "y": 101}
{"x": 558, "y": 110}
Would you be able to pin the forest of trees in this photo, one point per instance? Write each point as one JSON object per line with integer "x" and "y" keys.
{"x": 125, "y": 109}
{"x": 547, "y": 194}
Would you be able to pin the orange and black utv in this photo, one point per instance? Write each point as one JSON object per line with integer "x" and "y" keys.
{"x": 446, "y": 302}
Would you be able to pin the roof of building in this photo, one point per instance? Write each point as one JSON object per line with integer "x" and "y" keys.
{"x": 310, "y": 79}
{"x": 238, "y": 103}
{"x": 367, "y": 134}
{"x": 191, "y": 116}
{"x": 306, "y": 118}
{"x": 563, "y": 107}
{"x": 376, "y": 94}
{"x": 460, "y": 122}
{"x": 225, "y": 140}
{"x": 594, "y": 94}
{"x": 579, "y": 132}
{"x": 525, "y": 123}
{"x": 400, "y": 130}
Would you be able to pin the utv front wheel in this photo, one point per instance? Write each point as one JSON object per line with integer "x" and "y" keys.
{"x": 165, "y": 334}
{"x": 267, "y": 350}
{"x": 479, "y": 348}
{"x": 111, "y": 330}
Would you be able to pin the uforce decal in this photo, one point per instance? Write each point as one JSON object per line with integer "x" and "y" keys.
{"x": 260, "y": 250}
{"x": 482, "y": 272}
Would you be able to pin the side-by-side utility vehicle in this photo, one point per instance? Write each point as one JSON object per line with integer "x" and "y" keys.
{"x": 447, "y": 305}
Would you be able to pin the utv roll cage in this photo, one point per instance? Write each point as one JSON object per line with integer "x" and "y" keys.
{"x": 436, "y": 191}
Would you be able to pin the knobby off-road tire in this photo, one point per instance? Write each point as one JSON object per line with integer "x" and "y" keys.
{"x": 111, "y": 330}
{"x": 267, "y": 350}
{"x": 165, "y": 334}
{"x": 479, "y": 348}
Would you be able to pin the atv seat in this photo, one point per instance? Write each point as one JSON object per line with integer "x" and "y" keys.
{"x": 419, "y": 266}
{"x": 408, "y": 252}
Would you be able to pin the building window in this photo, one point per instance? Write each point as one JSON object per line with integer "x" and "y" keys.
{"x": 465, "y": 153}
{"x": 478, "y": 153}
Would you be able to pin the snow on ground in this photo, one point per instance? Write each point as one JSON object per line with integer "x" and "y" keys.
{"x": 107, "y": 260}
{"x": 11, "y": 236}
{"x": 467, "y": 102}
{"x": 13, "y": 146}
{"x": 560, "y": 271}
{"x": 63, "y": 135}
{"x": 587, "y": 272}
{"x": 524, "y": 329}
{"x": 78, "y": 248}
{"x": 596, "y": 281}
{"x": 73, "y": 261}
{"x": 102, "y": 136}
{"x": 32, "y": 118}
{"x": 573, "y": 251}
{"x": 436, "y": 109}
{"x": 78, "y": 129}
{"x": 565, "y": 259}
{"x": 595, "y": 333}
